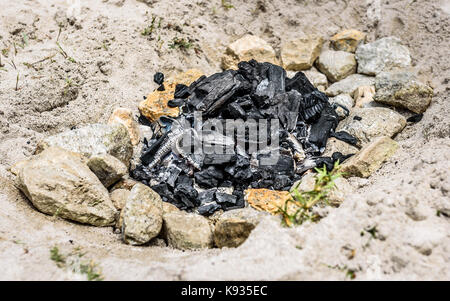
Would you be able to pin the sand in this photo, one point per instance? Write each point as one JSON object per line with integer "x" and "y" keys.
{"x": 110, "y": 63}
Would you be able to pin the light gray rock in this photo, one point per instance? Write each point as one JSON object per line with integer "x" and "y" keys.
{"x": 382, "y": 55}
{"x": 336, "y": 65}
{"x": 344, "y": 100}
{"x": 107, "y": 168}
{"x": 187, "y": 231}
{"x": 374, "y": 122}
{"x": 319, "y": 80}
{"x": 349, "y": 84}
{"x": 59, "y": 183}
{"x": 234, "y": 226}
{"x": 119, "y": 198}
{"x": 336, "y": 145}
{"x": 94, "y": 139}
{"x": 142, "y": 215}
{"x": 402, "y": 89}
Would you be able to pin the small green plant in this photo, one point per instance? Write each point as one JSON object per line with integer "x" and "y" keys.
{"x": 58, "y": 258}
{"x": 226, "y": 5}
{"x": 64, "y": 54}
{"x": 298, "y": 209}
{"x": 91, "y": 271}
{"x": 180, "y": 43}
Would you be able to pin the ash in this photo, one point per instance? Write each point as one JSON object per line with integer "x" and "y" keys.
{"x": 239, "y": 129}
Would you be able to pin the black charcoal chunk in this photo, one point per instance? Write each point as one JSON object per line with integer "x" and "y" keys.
{"x": 358, "y": 118}
{"x": 158, "y": 78}
{"x": 209, "y": 177}
{"x": 415, "y": 118}
{"x": 321, "y": 129}
{"x": 208, "y": 209}
{"x": 346, "y": 137}
{"x": 217, "y": 159}
{"x": 177, "y": 102}
{"x": 186, "y": 194}
{"x": 161, "y": 88}
{"x": 181, "y": 91}
{"x": 226, "y": 200}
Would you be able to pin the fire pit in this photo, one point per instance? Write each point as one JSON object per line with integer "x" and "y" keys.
{"x": 247, "y": 128}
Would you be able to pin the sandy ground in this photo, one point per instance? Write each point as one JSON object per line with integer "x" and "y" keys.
{"x": 113, "y": 65}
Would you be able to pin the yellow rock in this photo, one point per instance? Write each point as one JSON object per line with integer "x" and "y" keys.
{"x": 156, "y": 106}
{"x": 124, "y": 116}
{"x": 300, "y": 54}
{"x": 364, "y": 96}
{"x": 267, "y": 200}
{"x": 246, "y": 48}
{"x": 348, "y": 40}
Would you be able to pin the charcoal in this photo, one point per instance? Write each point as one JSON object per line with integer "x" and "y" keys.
{"x": 254, "y": 91}
{"x": 208, "y": 209}
{"x": 346, "y": 137}
{"x": 158, "y": 78}
{"x": 186, "y": 194}
{"x": 181, "y": 91}
{"x": 177, "y": 102}
{"x": 356, "y": 117}
{"x": 144, "y": 121}
{"x": 415, "y": 118}
{"x": 161, "y": 88}
{"x": 209, "y": 177}
{"x": 226, "y": 200}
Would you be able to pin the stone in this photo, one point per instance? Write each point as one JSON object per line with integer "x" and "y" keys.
{"x": 187, "y": 231}
{"x": 168, "y": 208}
{"x": 142, "y": 215}
{"x": 336, "y": 195}
{"x": 348, "y": 40}
{"x": 234, "y": 226}
{"x": 92, "y": 140}
{"x": 59, "y": 183}
{"x": 267, "y": 200}
{"x": 300, "y": 54}
{"x": 125, "y": 183}
{"x": 370, "y": 158}
{"x": 364, "y": 97}
{"x": 107, "y": 168}
{"x": 119, "y": 198}
{"x": 125, "y": 117}
{"x": 402, "y": 89}
{"x": 344, "y": 100}
{"x": 336, "y": 65}
{"x": 336, "y": 145}
{"x": 382, "y": 55}
{"x": 349, "y": 84}
{"x": 156, "y": 106}
{"x": 319, "y": 80}
{"x": 368, "y": 123}
{"x": 246, "y": 48}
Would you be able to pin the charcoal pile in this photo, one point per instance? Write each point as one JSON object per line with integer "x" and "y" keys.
{"x": 205, "y": 181}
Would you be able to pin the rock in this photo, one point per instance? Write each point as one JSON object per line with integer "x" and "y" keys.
{"x": 382, "y": 55}
{"x": 336, "y": 65}
{"x": 349, "y": 84}
{"x": 119, "y": 198}
{"x": 364, "y": 97}
{"x": 344, "y": 100}
{"x": 156, "y": 106}
{"x": 348, "y": 40}
{"x": 300, "y": 54}
{"x": 107, "y": 168}
{"x": 319, "y": 80}
{"x": 402, "y": 89}
{"x": 266, "y": 200}
{"x": 370, "y": 158}
{"x": 125, "y": 183}
{"x": 92, "y": 140}
{"x": 125, "y": 117}
{"x": 58, "y": 182}
{"x": 233, "y": 227}
{"x": 142, "y": 215}
{"x": 374, "y": 122}
{"x": 187, "y": 231}
{"x": 246, "y": 48}
{"x": 335, "y": 145}
{"x": 168, "y": 208}
{"x": 335, "y": 197}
